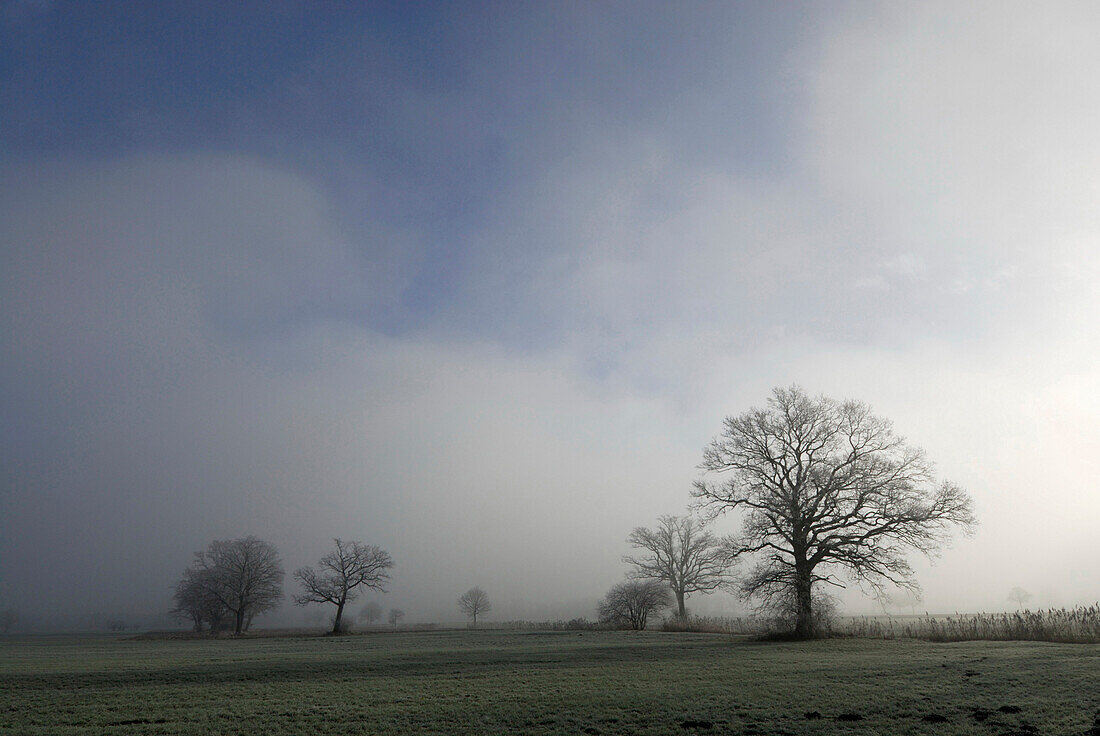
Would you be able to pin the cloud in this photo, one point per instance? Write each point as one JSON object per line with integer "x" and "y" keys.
{"x": 943, "y": 162}
{"x": 181, "y": 368}
{"x": 198, "y": 346}
{"x": 905, "y": 215}
{"x": 962, "y": 135}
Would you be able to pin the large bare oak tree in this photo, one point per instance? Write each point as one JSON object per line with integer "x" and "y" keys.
{"x": 826, "y": 487}
{"x": 350, "y": 566}
{"x": 682, "y": 553}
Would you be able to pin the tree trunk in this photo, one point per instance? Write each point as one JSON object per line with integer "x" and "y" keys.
{"x": 681, "y": 611}
{"x": 336, "y": 621}
{"x": 804, "y": 613}
{"x": 239, "y": 621}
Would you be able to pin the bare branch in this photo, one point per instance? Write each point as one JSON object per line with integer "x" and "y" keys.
{"x": 352, "y": 565}
{"x": 824, "y": 484}
{"x": 474, "y": 602}
{"x": 631, "y": 603}
{"x": 683, "y": 554}
{"x": 243, "y": 576}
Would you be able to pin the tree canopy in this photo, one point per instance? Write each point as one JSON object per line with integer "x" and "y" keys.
{"x": 684, "y": 554}
{"x": 474, "y": 602}
{"x": 826, "y": 487}
{"x": 244, "y": 577}
{"x": 630, "y": 603}
{"x": 352, "y": 565}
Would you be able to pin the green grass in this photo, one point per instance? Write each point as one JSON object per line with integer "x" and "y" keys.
{"x": 542, "y": 683}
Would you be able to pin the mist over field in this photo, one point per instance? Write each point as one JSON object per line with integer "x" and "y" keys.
{"x": 478, "y": 283}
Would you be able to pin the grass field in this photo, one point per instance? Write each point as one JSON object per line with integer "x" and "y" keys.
{"x": 545, "y": 683}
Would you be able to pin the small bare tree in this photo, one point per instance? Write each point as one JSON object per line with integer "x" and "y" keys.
{"x": 474, "y": 602}
{"x": 826, "y": 486}
{"x": 683, "y": 554}
{"x": 350, "y": 566}
{"x": 244, "y": 575}
{"x": 395, "y": 616}
{"x": 631, "y": 603}
{"x": 371, "y": 613}
{"x": 1019, "y": 596}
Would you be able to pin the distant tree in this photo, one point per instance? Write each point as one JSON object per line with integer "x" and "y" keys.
{"x": 195, "y": 601}
{"x": 683, "y": 554}
{"x": 825, "y": 487}
{"x": 352, "y": 565}
{"x": 395, "y": 616}
{"x": 244, "y": 575}
{"x": 1019, "y": 596}
{"x": 9, "y": 617}
{"x": 903, "y": 599}
{"x": 630, "y": 603}
{"x": 474, "y": 602}
{"x": 186, "y": 606}
{"x": 371, "y": 613}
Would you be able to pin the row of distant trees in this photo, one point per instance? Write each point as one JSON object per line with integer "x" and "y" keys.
{"x": 473, "y": 603}
{"x": 232, "y": 581}
{"x": 372, "y": 614}
{"x": 826, "y": 491}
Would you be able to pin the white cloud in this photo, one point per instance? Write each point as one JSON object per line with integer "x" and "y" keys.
{"x": 964, "y": 135}
{"x": 929, "y": 254}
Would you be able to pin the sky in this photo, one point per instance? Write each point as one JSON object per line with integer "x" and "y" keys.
{"x": 477, "y": 282}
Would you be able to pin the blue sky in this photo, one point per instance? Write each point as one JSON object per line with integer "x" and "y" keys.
{"x": 488, "y": 277}
{"x": 422, "y": 118}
